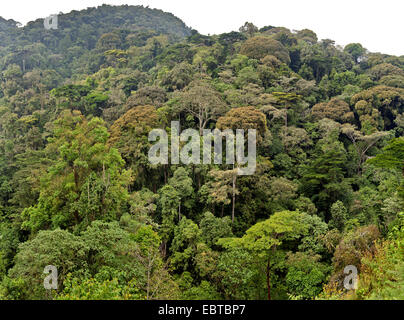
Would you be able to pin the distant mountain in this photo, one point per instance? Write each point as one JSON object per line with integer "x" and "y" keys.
{"x": 93, "y": 22}
{"x": 79, "y": 31}
{"x": 6, "y": 25}
{"x": 7, "y": 30}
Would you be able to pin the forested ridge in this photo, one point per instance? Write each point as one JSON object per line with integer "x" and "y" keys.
{"x": 77, "y": 190}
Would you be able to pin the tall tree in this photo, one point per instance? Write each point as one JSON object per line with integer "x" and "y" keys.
{"x": 263, "y": 238}
{"x": 86, "y": 180}
{"x": 202, "y": 101}
{"x": 182, "y": 183}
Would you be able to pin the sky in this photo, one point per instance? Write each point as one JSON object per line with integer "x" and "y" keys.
{"x": 377, "y": 25}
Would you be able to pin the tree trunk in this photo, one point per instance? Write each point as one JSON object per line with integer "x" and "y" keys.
{"x": 234, "y": 198}
{"x": 268, "y": 281}
{"x": 148, "y": 276}
{"x": 163, "y": 248}
{"x": 201, "y": 126}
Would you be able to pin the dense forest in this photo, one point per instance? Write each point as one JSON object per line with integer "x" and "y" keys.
{"x": 77, "y": 190}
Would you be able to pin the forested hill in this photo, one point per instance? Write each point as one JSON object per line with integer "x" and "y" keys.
{"x": 8, "y": 31}
{"x": 79, "y": 32}
{"x": 7, "y": 26}
{"x": 77, "y": 189}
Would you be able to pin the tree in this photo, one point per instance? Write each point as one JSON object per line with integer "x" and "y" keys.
{"x": 169, "y": 201}
{"x": 249, "y": 29}
{"x": 339, "y": 216}
{"x": 129, "y": 257}
{"x": 306, "y": 275}
{"x": 378, "y": 107}
{"x": 260, "y": 46}
{"x": 287, "y": 100}
{"x": 323, "y": 179}
{"x": 85, "y": 181}
{"x": 116, "y": 57}
{"x": 244, "y": 118}
{"x": 351, "y": 249}
{"x": 362, "y": 143}
{"x": 392, "y": 157}
{"x": 184, "y": 245}
{"x": 96, "y": 289}
{"x": 281, "y": 193}
{"x": 238, "y": 275}
{"x": 263, "y": 238}
{"x": 307, "y": 35}
{"x": 385, "y": 69}
{"x": 395, "y": 81}
{"x": 178, "y": 77}
{"x": 229, "y": 39}
{"x": 182, "y": 183}
{"x": 113, "y": 250}
{"x": 335, "y": 109}
{"x": 147, "y": 96}
{"x": 129, "y": 134}
{"x": 214, "y": 228}
{"x": 68, "y": 253}
{"x": 71, "y": 95}
{"x": 310, "y": 242}
{"x": 95, "y": 103}
{"x": 108, "y": 41}
{"x": 201, "y": 101}
{"x": 355, "y": 50}
{"x": 221, "y": 186}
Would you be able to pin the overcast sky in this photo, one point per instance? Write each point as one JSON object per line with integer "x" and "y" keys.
{"x": 377, "y": 24}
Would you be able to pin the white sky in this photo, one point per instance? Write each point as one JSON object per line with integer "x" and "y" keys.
{"x": 377, "y": 24}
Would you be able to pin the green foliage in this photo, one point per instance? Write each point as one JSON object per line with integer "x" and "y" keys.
{"x": 392, "y": 157}
{"x": 77, "y": 189}
{"x": 355, "y": 50}
{"x": 214, "y": 228}
{"x": 93, "y": 289}
{"x": 184, "y": 244}
{"x": 305, "y": 275}
{"x": 85, "y": 182}
{"x": 354, "y": 246}
{"x": 238, "y": 272}
{"x": 339, "y": 216}
{"x": 323, "y": 179}
{"x": 258, "y": 47}
{"x": 59, "y": 248}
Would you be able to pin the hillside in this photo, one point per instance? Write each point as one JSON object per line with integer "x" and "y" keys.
{"x": 78, "y": 34}
{"x": 78, "y": 189}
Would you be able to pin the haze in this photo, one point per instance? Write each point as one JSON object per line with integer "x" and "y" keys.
{"x": 377, "y": 25}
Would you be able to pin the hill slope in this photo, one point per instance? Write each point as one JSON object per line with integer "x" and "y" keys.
{"x": 77, "y": 189}
{"x": 79, "y": 31}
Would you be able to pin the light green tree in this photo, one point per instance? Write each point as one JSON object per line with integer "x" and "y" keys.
{"x": 263, "y": 238}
